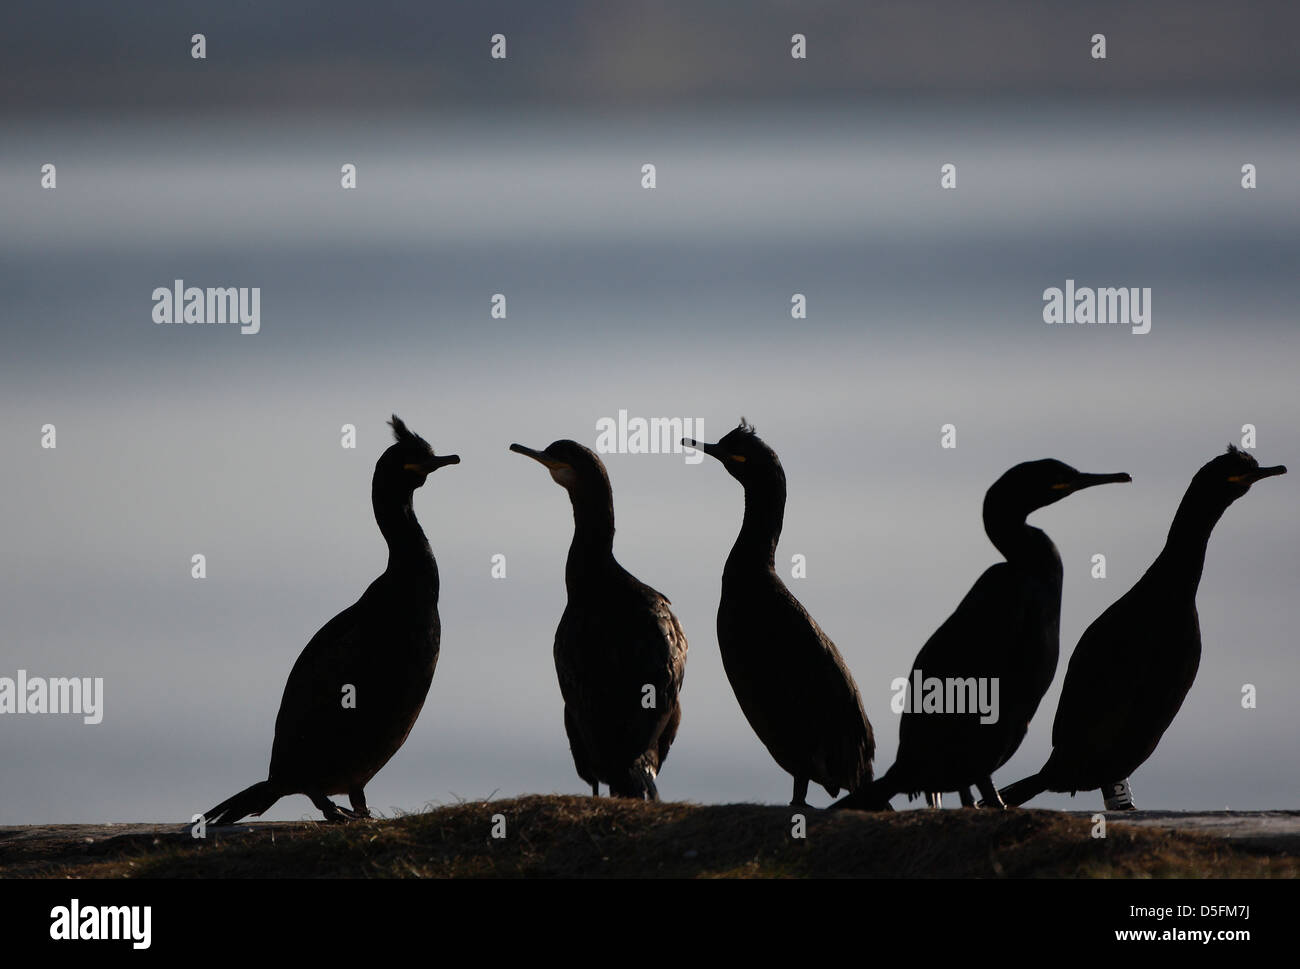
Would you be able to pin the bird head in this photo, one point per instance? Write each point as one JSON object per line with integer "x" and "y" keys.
{"x": 575, "y": 468}
{"x": 745, "y": 456}
{"x": 410, "y": 460}
{"x": 1037, "y": 484}
{"x": 1230, "y": 475}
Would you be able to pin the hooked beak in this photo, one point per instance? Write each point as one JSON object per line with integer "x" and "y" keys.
{"x": 1088, "y": 480}
{"x": 434, "y": 462}
{"x": 1250, "y": 477}
{"x": 712, "y": 450}
{"x": 539, "y": 456}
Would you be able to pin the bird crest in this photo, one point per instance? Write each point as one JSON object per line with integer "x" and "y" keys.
{"x": 403, "y": 435}
{"x": 1241, "y": 459}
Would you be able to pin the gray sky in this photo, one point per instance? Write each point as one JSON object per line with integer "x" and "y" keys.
{"x": 924, "y": 309}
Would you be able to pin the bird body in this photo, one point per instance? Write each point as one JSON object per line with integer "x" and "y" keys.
{"x": 356, "y": 689}
{"x": 606, "y": 654}
{"x": 620, "y": 652}
{"x": 1004, "y": 636}
{"x": 1135, "y": 664}
{"x": 792, "y": 684}
{"x": 1093, "y": 729}
{"x": 390, "y": 673}
{"x": 798, "y": 708}
{"x": 1017, "y": 608}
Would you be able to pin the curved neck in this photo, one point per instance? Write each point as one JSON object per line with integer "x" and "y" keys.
{"x": 761, "y": 528}
{"x": 592, "y": 549}
{"x": 408, "y": 549}
{"x": 1020, "y": 543}
{"x": 1183, "y": 556}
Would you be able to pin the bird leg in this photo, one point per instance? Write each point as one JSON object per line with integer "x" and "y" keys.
{"x": 990, "y": 794}
{"x": 967, "y": 798}
{"x": 333, "y": 813}
{"x": 800, "y": 792}
{"x": 1118, "y": 796}
{"x": 358, "y": 799}
{"x": 595, "y": 789}
{"x": 934, "y": 799}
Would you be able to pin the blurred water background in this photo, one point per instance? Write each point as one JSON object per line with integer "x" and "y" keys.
{"x": 924, "y": 308}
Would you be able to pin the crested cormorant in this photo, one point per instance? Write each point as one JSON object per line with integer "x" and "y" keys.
{"x": 1134, "y": 665}
{"x": 380, "y": 652}
{"x": 620, "y": 653}
{"x": 790, "y": 680}
{"x": 1004, "y": 634}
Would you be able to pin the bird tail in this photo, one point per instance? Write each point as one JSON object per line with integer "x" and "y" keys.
{"x": 1014, "y": 795}
{"x": 638, "y": 783}
{"x": 251, "y": 800}
{"x": 872, "y": 796}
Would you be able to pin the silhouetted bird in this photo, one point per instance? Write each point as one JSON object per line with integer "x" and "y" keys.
{"x": 358, "y": 686}
{"x": 1005, "y": 634}
{"x": 791, "y": 681}
{"x": 1134, "y": 665}
{"x": 620, "y": 653}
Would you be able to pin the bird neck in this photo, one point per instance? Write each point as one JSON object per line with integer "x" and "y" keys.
{"x": 1020, "y": 543}
{"x": 1183, "y": 556}
{"x": 761, "y": 528}
{"x": 408, "y": 549}
{"x": 592, "y": 551}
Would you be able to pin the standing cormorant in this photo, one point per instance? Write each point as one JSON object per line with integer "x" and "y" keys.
{"x": 358, "y": 686}
{"x": 1134, "y": 665}
{"x": 1004, "y": 636}
{"x": 789, "y": 678}
{"x": 620, "y": 653}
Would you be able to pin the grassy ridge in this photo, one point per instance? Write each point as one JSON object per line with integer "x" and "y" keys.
{"x": 558, "y": 836}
